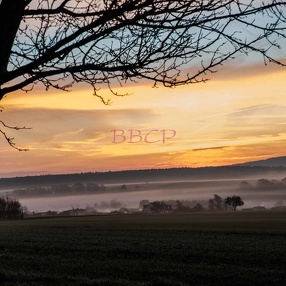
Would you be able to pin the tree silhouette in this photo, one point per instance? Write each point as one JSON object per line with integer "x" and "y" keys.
{"x": 106, "y": 42}
{"x": 10, "y": 208}
{"x": 143, "y": 203}
{"x": 234, "y": 201}
{"x": 211, "y": 204}
{"x": 218, "y": 203}
{"x": 62, "y": 42}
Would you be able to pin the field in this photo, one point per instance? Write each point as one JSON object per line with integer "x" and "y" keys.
{"x": 242, "y": 248}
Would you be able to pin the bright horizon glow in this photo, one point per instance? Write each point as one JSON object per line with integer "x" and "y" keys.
{"x": 236, "y": 117}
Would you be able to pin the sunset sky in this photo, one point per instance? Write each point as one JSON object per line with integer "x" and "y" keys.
{"x": 237, "y": 116}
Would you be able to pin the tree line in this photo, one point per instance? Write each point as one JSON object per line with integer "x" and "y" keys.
{"x": 175, "y": 203}
{"x": 147, "y": 175}
{"x": 60, "y": 189}
{"x": 217, "y": 203}
{"x": 263, "y": 184}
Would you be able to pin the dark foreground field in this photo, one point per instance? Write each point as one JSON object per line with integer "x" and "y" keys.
{"x": 193, "y": 249}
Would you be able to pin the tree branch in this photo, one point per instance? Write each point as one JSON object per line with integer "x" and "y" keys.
{"x": 10, "y": 139}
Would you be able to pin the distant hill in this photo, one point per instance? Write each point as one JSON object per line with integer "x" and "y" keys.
{"x": 271, "y": 162}
{"x": 151, "y": 175}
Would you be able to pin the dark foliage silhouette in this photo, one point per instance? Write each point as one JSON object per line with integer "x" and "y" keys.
{"x": 106, "y": 42}
{"x": 234, "y": 202}
{"x": 10, "y": 208}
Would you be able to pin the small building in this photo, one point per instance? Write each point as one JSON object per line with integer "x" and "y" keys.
{"x": 279, "y": 208}
{"x": 51, "y": 213}
{"x": 259, "y": 208}
{"x": 73, "y": 212}
{"x": 42, "y": 214}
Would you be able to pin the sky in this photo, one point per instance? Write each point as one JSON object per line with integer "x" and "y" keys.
{"x": 237, "y": 116}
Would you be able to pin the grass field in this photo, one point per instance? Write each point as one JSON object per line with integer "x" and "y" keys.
{"x": 184, "y": 249}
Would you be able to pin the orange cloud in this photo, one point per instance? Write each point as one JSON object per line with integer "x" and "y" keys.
{"x": 234, "y": 118}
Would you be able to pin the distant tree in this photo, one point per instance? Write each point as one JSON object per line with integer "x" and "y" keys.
{"x": 264, "y": 184}
{"x": 198, "y": 208}
{"x": 104, "y": 205}
{"x": 179, "y": 205}
{"x": 234, "y": 202}
{"x": 143, "y": 203}
{"x": 10, "y": 208}
{"x": 244, "y": 185}
{"x": 25, "y": 210}
{"x": 60, "y": 189}
{"x": 3, "y": 204}
{"x": 78, "y": 188}
{"x": 218, "y": 203}
{"x": 123, "y": 188}
{"x": 283, "y": 181}
{"x": 277, "y": 184}
{"x": 92, "y": 188}
{"x": 14, "y": 208}
{"x": 280, "y": 203}
{"x": 115, "y": 204}
{"x": 211, "y": 205}
{"x": 182, "y": 207}
{"x": 89, "y": 209}
{"x": 160, "y": 207}
{"x": 102, "y": 187}
{"x": 124, "y": 210}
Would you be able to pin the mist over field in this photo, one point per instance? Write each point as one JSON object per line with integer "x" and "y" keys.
{"x": 171, "y": 190}
{"x": 67, "y": 191}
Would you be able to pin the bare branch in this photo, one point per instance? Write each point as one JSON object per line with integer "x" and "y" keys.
{"x": 106, "y": 42}
{"x": 10, "y": 139}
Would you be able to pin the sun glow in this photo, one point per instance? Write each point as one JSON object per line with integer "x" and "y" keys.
{"x": 237, "y": 116}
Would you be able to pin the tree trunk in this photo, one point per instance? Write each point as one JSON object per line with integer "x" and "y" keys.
{"x": 11, "y": 12}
